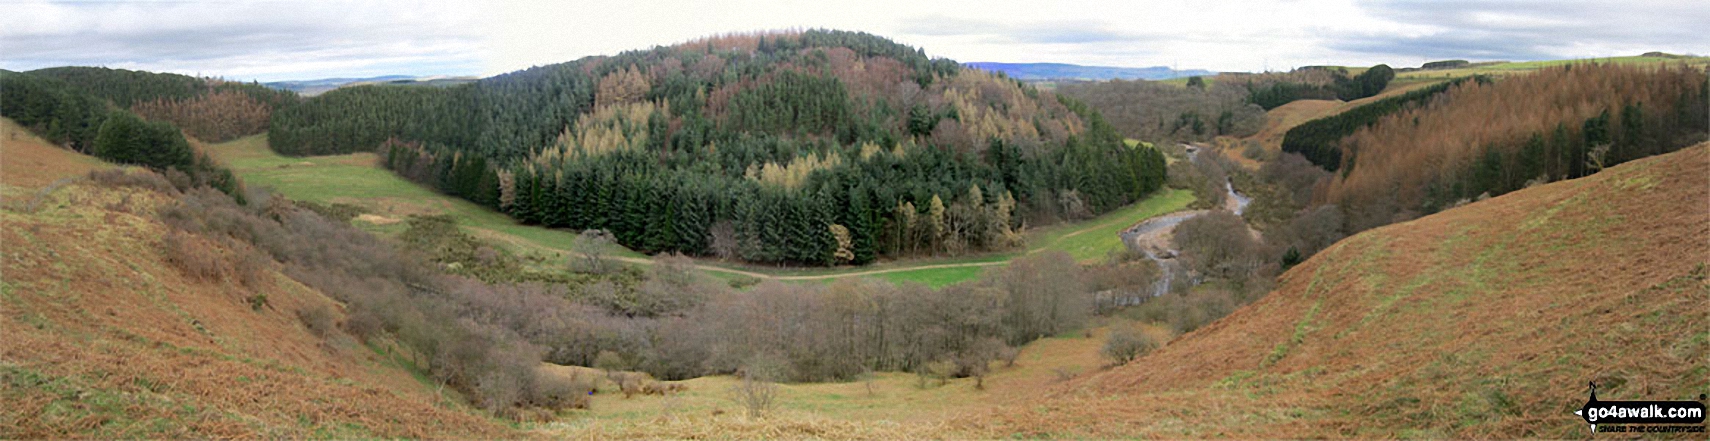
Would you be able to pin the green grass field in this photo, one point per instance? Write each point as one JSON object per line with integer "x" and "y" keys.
{"x": 356, "y": 179}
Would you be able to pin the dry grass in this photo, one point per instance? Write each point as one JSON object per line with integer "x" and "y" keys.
{"x": 890, "y": 406}
{"x": 106, "y": 339}
{"x": 27, "y": 161}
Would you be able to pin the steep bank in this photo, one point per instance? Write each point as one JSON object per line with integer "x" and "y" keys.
{"x": 105, "y": 338}
{"x": 1484, "y": 320}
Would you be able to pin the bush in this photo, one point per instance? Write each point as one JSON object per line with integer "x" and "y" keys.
{"x": 1254, "y": 151}
{"x": 556, "y": 392}
{"x": 1126, "y": 343}
{"x": 1217, "y": 244}
{"x": 194, "y": 256}
{"x": 757, "y": 393}
{"x": 610, "y": 362}
{"x": 319, "y": 319}
{"x": 256, "y": 301}
{"x": 144, "y": 179}
{"x": 1201, "y": 307}
{"x": 593, "y": 245}
{"x": 336, "y": 211}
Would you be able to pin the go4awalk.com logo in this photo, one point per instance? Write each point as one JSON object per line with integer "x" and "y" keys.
{"x": 1642, "y": 416}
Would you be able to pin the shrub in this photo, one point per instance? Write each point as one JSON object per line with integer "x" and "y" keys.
{"x": 1217, "y": 244}
{"x": 757, "y": 393}
{"x": 610, "y": 362}
{"x": 1254, "y": 151}
{"x": 340, "y": 212}
{"x": 593, "y": 245}
{"x": 194, "y": 256}
{"x": 319, "y": 319}
{"x": 144, "y": 179}
{"x": 256, "y": 301}
{"x": 1126, "y": 343}
{"x": 250, "y": 267}
{"x": 1200, "y": 307}
{"x": 556, "y": 392}
{"x": 363, "y": 323}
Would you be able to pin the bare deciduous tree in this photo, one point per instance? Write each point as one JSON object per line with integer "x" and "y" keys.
{"x": 593, "y": 246}
{"x": 757, "y": 392}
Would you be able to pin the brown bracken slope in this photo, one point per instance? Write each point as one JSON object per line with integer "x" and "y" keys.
{"x": 1486, "y": 320}
{"x": 101, "y": 338}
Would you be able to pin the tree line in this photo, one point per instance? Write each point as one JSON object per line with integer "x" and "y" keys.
{"x": 810, "y": 148}
{"x": 69, "y": 115}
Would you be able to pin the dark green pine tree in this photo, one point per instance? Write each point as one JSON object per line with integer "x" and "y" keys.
{"x": 522, "y": 185}
{"x": 862, "y": 224}
{"x": 1531, "y": 161}
{"x": 555, "y": 195}
{"x": 691, "y": 226}
{"x": 574, "y": 199}
{"x": 658, "y": 234}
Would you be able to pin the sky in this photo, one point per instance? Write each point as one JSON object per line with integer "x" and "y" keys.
{"x": 280, "y": 40}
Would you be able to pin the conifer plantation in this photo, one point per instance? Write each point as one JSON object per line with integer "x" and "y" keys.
{"x": 802, "y": 148}
{"x": 1487, "y": 138}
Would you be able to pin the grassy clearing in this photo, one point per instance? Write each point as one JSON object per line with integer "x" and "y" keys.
{"x": 355, "y": 179}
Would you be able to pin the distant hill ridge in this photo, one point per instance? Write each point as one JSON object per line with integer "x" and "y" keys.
{"x": 322, "y": 85}
{"x": 1050, "y": 71}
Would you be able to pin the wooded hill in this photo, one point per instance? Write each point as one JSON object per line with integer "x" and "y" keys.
{"x": 814, "y": 147}
{"x": 1159, "y": 112}
{"x": 208, "y": 109}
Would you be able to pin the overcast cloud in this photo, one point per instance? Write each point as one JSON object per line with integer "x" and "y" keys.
{"x": 274, "y": 40}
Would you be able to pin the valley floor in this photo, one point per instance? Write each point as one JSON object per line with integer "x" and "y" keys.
{"x": 357, "y": 179}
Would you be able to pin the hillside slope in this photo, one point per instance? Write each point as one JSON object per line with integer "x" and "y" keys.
{"x": 104, "y": 338}
{"x": 1484, "y": 320}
